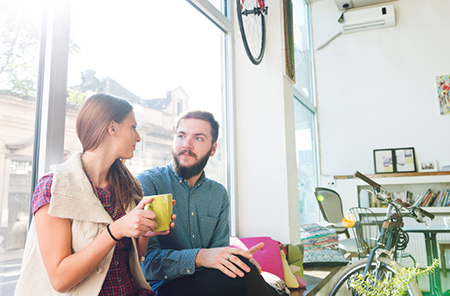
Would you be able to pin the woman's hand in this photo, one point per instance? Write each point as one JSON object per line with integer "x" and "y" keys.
{"x": 138, "y": 222}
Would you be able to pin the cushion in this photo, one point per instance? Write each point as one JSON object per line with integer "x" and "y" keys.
{"x": 289, "y": 278}
{"x": 274, "y": 281}
{"x": 295, "y": 260}
{"x": 317, "y": 236}
{"x": 268, "y": 257}
{"x": 324, "y": 257}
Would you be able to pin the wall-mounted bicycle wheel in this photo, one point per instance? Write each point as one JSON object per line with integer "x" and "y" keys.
{"x": 252, "y": 27}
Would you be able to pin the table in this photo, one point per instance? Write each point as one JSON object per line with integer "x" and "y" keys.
{"x": 316, "y": 278}
{"x": 432, "y": 252}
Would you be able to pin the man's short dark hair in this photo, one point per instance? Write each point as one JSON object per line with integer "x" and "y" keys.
{"x": 202, "y": 115}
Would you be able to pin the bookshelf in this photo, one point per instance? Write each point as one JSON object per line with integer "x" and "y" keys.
{"x": 349, "y": 187}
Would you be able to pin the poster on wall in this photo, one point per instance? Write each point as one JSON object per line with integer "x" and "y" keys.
{"x": 443, "y": 88}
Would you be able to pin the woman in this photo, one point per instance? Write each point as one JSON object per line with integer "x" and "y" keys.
{"x": 82, "y": 238}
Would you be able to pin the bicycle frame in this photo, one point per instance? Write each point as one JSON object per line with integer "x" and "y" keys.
{"x": 387, "y": 242}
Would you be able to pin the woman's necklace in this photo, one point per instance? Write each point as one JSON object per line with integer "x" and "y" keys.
{"x": 114, "y": 214}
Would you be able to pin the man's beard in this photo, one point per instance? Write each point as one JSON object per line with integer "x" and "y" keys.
{"x": 193, "y": 170}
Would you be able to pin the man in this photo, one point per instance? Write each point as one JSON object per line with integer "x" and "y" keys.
{"x": 194, "y": 258}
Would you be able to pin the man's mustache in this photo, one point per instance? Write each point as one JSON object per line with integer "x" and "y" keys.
{"x": 182, "y": 151}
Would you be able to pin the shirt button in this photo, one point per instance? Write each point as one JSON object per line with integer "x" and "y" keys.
{"x": 165, "y": 277}
{"x": 181, "y": 181}
{"x": 192, "y": 213}
{"x": 193, "y": 236}
{"x": 116, "y": 263}
{"x": 188, "y": 271}
{"x": 119, "y": 280}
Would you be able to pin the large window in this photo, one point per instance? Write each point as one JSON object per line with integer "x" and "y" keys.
{"x": 305, "y": 115}
{"x": 20, "y": 23}
{"x": 161, "y": 62}
{"x": 303, "y": 55}
{"x": 306, "y": 162}
{"x": 164, "y": 59}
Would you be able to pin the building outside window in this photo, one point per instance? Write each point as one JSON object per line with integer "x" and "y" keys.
{"x": 305, "y": 114}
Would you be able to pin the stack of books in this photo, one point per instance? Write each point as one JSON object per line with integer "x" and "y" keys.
{"x": 432, "y": 199}
{"x": 404, "y": 196}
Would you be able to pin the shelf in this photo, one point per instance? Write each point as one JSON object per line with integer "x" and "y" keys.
{"x": 393, "y": 175}
{"x": 433, "y": 210}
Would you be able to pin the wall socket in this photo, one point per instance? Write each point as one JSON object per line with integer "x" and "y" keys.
{"x": 330, "y": 181}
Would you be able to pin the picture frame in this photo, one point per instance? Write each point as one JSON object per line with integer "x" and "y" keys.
{"x": 405, "y": 160}
{"x": 384, "y": 161}
{"x": 428, "y": 166}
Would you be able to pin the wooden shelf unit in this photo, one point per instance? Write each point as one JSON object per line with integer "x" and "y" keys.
{"x": 349, "y": 186}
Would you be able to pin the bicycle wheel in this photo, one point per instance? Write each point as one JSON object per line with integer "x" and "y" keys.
{"x": 252, "y": 27}
{"x": 342, "y": 286}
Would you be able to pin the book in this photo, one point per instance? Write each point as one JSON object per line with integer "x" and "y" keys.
{"x": 420, "y": 198}
{"x": 444, "y": 196}
{"x": 437, "y": 200}
{"x": 430, "y": 200}
{"x": 425, "y": 198}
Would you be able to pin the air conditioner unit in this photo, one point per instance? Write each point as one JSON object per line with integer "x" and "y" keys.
{"x": 368, "y": 18}
{"x": 349, "y": 4}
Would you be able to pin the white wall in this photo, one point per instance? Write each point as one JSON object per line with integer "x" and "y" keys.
{"x": 376, "y": 88}
{"x": 267, "y": 198}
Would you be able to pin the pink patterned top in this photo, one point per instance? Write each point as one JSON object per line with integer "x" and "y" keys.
{"x": 118, "y": 280}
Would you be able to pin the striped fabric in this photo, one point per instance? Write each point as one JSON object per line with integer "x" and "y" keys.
{"x": 317, "y": 236}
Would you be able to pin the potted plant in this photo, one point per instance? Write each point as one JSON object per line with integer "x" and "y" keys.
{"x": 394, "y": 286}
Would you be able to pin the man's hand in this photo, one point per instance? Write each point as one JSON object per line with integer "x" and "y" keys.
{"x": 254, "y": 249}
{"x": 224, "y": 259}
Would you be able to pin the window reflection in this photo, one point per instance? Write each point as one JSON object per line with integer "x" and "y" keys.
{"x": 302, "y": 48}
{"x": 19, "y": 53}
{"x": 306, "y": 164}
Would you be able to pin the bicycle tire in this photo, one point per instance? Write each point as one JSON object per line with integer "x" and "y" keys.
{"x": 340, "y": 285}
{"x": 253, "y": 30}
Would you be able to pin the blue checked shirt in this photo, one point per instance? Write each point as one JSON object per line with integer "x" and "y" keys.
{"x": 202, "y": 222}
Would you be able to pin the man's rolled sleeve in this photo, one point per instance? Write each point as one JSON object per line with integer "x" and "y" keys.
{"x": 160, "y": 265}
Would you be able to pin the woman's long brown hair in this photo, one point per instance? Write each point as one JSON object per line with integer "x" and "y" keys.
{"x": 93, "y": 120}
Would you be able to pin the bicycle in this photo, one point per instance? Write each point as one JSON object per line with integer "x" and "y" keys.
{"x": 251, "y": 15}
{"x": 381, "y": 262}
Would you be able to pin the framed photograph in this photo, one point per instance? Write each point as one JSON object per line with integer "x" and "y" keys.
{"x": 428, "y": 166}
{"x": 405, "y": 160}
{"x": 383, "y": 161}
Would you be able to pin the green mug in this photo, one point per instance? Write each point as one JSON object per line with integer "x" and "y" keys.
{"x": 162, "y": 206}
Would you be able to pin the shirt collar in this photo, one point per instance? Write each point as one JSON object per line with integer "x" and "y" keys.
{"x": 200, "y": 180}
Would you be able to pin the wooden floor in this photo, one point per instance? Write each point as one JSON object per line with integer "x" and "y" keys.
{"x": 316, "y": 278}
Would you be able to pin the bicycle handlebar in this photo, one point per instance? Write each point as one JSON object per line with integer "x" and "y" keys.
{"x": 372, "y": 183}
{"x": 428, "y": 214}
{"x": 377, "y": 187}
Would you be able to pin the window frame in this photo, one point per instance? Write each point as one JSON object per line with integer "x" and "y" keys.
{"x": 48, "y": 145}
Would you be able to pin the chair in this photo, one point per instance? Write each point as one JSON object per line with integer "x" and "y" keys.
{"x": 330, "y": 205}
{"x": 365, "y": 229}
